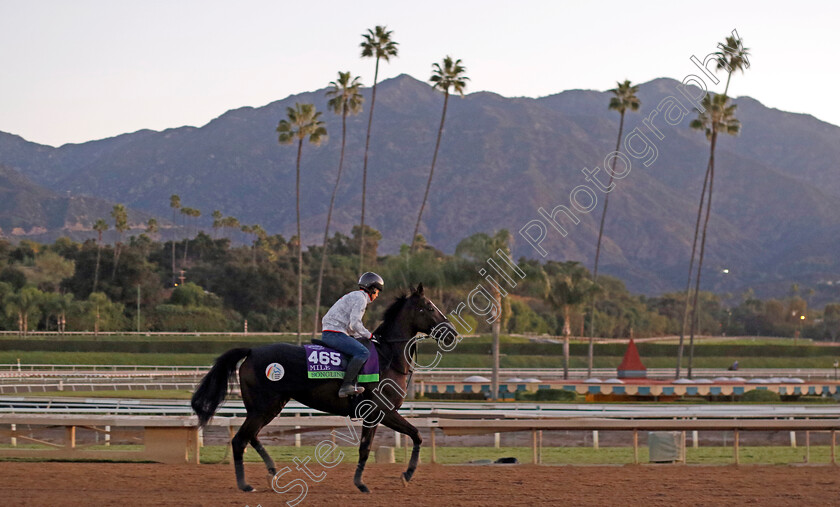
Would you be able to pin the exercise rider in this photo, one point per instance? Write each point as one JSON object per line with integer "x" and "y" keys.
{"x": 344, "y": 321}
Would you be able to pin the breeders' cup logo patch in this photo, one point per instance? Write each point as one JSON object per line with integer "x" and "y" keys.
{"x": 274, "y": 372}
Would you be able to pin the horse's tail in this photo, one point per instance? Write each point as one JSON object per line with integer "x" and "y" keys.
{"x": 213, "y": 388}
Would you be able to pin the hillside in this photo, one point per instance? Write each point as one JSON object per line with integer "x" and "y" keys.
{"x": 776, "y": 193}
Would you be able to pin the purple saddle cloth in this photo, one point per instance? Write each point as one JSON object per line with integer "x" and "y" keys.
{"x": 325, "y": 363}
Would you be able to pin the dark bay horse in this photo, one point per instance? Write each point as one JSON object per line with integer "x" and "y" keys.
{"x": 265, "y": 397}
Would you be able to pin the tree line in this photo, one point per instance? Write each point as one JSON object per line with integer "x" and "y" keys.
{"x": 54, "y": 287}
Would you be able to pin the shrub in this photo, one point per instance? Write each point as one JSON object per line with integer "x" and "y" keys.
{"x": 547, "y": 395}
{"x": 762, "y": 395}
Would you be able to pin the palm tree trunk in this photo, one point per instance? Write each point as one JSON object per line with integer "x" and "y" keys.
{"x": 695, "y": 313}
{"x": 431, "y": 173}
{"x": 567, "y": 331}
{"x": 327, "y": 228}
{"x": 116, "y": 259}
{"x": 598, "y": 251}
{"x": 691, "y": 271}
{"x": 174, "y": 236}
{"x": 364, "y": 169}
{"x": 300, "y": 247}
{"x": 496, "y": 327}
{"x": 186, "y": 243}
{"x": 96, "y": 271}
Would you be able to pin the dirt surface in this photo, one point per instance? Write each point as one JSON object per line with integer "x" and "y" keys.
{"x": 128, "y": 484}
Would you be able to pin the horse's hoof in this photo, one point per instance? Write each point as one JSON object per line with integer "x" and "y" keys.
{"x": 405, "y": 478}
{"x": 363, "y": 488}
{"x": 247, "y": 488}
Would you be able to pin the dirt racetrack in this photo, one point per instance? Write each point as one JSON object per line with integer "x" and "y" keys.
{"x": 128, "y": 484}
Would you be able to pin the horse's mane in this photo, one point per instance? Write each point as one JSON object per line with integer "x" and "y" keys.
{"x": 391, "y": 313}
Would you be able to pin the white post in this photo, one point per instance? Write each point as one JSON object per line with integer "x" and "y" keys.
{"x": 595, "y": 439}
{"x": 695, "y": 439}
{"x": 14, "y": 439}
{"x": 107, "y": 436}
{"x": 397, "y": 439}
{"x": 792, "y": 437}
{"x": 497, "y": 440}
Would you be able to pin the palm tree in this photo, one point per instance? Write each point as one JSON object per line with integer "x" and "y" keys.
{"x": 345, "y": 99}
{"x": 624, "y": 97}
{"x": 718, "y": 117}
{"x": 100, "y": 226}
{"x": 731, "y": 57}
{"x": 24, "y": 304}
{"x": 259, "y": 235}
{"x": 152, "y": 227}
{"x": 217, "y": 223}
{"x": 121, "y": 225}
{"x": 193, "y": 213}
{"x": 303, "y": 122}
{"x": 175, "y": 204}
{"x": 230, "y": 222}
{"x": 96, "y": 302}
{"x": 451, "y": 75}
{"x": 477, "y": 249}
{"x": 569, "y": 286}
{"x": 377, "y": 44}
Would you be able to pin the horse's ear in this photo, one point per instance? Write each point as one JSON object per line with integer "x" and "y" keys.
{"x": 420, "y": 289}
{"x": 411, "y": 289}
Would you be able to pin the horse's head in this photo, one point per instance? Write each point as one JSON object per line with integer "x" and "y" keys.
{"x": 424, "y": 317}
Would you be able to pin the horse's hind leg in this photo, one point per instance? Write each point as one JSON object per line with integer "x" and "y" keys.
{"x": 257, "y": 445}
{"x": 364, "y": 452}
{"x": 398, "y": 423}
{"x": 247, "y": 432}
{"x": 269, "y": 463}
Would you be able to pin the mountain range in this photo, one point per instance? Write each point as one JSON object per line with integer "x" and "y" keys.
{"x": 776, "y": 195}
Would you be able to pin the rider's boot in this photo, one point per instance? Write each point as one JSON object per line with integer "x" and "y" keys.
{"x": 349, "y": 386}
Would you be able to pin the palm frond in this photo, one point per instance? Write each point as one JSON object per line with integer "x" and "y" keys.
{"x": 451, "y": 75}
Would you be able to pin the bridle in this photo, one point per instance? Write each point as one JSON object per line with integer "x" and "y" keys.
{"x": 409, "y": 370}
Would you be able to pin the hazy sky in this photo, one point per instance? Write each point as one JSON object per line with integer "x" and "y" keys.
{"x": 78, "y": 70}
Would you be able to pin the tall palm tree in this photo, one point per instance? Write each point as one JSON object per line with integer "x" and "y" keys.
{"x": 451, "y": 75}
{"x": 152, "y": 228}
{"x": 230, "y": 222}
{"x": 569, "y": 287}
{"x": 100, "y": 226}
{"x": 718, "y": 118}
{"x": 303, "y": 123}
{"x": 192, "y": 213}
{"x": 477, "y": 249}
{"x": 624, "y": 98}
{"x": 175, "y": 204}
{"x": 731, "y": 57}
{"x": 217, "y": 223}
{"x": 120, "y": 216}
{"x": 345, "y": 99}
{"x": 377, "y": 44}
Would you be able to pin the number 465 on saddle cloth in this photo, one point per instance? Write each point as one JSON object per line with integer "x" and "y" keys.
{"x": 326, "y": 363}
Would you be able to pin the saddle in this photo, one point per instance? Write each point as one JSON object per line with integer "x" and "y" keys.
{"x": 323, "y": 362}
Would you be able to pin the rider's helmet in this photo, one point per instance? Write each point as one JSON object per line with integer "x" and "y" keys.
{"x": 370, "y": 281}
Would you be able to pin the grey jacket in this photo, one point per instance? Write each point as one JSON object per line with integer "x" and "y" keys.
{"x": 345, "y": 316}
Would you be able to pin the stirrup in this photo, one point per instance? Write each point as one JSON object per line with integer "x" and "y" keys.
{"x": 350, "y": 389}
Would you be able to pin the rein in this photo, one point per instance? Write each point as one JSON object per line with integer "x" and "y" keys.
{"x": 409, "y": 370}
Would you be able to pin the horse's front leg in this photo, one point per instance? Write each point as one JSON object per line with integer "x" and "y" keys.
{"x": 398, "y": 423}
{"x": 364, "y": 452}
